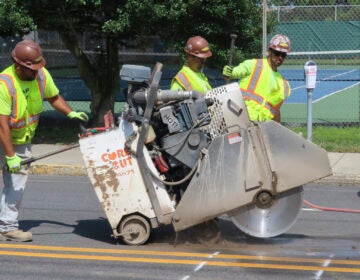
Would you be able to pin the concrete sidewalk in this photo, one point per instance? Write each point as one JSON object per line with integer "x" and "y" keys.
{"x": 69, "y": 162}
{"x": 345, "y": 167}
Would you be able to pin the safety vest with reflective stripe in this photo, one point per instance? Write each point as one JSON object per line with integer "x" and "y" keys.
{"x": 264, "y": 91}
{"x": 25, "y": 113}
{"x": 190, "y": 80}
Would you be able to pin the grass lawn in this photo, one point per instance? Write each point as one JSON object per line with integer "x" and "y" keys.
{"x": 334, "y": 139}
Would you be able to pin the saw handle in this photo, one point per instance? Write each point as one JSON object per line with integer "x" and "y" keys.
{"x": 28, "y": 161}
{"x": 32, "y": 159}
{"x": 64, "y": 149}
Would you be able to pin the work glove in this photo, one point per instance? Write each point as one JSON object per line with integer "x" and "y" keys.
{"x": 14, "y": 163}
{"x": 227, "y": 71}
{"x": 78, "y": 115}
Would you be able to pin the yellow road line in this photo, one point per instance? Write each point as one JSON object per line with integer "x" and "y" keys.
{"x": 176, "y": 254}
{"x": 180, "y": 261}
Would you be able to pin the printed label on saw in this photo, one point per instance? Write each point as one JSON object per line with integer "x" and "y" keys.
{"x": 234, "y": 138}
{"x": 120, "y": 160}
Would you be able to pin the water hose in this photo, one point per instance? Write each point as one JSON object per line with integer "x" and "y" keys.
{"x": 322, "y": 208}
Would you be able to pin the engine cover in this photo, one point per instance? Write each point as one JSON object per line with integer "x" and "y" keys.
{"x": 185, "y": 147}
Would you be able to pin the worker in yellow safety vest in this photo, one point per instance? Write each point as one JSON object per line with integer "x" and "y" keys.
{"x": 23, "y": 86}
{"x": 264, "y": 89}
{"x": 191, "y": 76}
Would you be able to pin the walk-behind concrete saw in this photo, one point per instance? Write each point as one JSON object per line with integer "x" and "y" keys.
{"x": 185, "y": 159}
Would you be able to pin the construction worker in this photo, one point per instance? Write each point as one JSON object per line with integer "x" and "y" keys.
{"x": 264, "y": 89}
{"x": 191, "y": 76}
{"x": 23, "y": 86}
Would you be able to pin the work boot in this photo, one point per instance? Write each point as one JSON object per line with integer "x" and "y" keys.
{"x": 16, "y": 235}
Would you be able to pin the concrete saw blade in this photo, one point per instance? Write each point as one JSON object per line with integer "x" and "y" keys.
{"x": 272, "y": 220}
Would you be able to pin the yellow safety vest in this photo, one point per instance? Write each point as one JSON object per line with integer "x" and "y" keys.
{"x": 264, "y": 91}
{"x": 190, "y": 80}
{"x": 25, "y": 114}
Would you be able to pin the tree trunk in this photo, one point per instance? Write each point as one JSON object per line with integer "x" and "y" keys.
{"x": 101, "y": 77}
{"x": 103, "y": 99}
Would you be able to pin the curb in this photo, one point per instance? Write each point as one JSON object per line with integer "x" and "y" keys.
{"x": 55, "y": 169}
{"x": 341, "y": 179}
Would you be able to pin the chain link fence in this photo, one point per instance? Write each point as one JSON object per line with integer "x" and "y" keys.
{"x": 329, "y": 35}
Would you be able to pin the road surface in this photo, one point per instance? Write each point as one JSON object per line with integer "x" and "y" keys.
{"x": 72, "y": 240}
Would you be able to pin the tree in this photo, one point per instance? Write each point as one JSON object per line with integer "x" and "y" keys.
{"x": 117, "y": 22}
{"x": 14, "y": 19}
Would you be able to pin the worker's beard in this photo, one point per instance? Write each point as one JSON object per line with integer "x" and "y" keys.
{"x": 196, "y": 65}
{"x": 26, "y": 74}
{"x": 278, "y": 62}
{"x": 275, "y": 63}
{"x": 28, "y": 77}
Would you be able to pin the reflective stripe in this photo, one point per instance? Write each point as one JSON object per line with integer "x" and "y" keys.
{"x": 190, "y": 80}
{"x": 41, "y": 82}
{"x": 9, "y": 83}
{"x": 183, "y": 80}
{"x": 255, "y": 75}
{"x": 250, "y": 92}
{"x": 260, "y": 100}
{"x": 18, "y": 124}
{"x": 22, "y": 123}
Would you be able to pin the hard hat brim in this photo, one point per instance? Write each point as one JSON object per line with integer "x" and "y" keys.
{"x": 206, "y": 54}
{"x": 37, "y": 66}
{"x": 32, "y": 66}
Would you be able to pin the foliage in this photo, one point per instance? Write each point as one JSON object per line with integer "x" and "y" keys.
{"x": 216, "y": 20}
{"x": 13, "y": 19}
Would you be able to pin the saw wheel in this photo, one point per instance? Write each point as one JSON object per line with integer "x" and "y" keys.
{"x": 270, "y": 215}
{"x": 208, "y": 232}
{"x": 135, "y": 230}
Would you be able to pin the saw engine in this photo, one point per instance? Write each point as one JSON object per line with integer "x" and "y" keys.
{"x": 180, "y": 138}
{"x": 177, "y": 131}
{"x": 184, "y": 158}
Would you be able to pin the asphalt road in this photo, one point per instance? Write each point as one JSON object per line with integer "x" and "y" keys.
{"x": 72, "y": 240}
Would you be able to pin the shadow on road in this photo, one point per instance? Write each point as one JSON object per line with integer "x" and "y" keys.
{"x": 100, "y": 230}
{"x": 95, "y": 229}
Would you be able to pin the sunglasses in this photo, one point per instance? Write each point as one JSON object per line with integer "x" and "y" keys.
{"x": 277, "y": 53}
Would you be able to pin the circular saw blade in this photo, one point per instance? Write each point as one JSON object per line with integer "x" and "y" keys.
{"x": 271, "y": 221}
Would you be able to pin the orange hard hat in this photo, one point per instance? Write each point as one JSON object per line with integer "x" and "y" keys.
{"x": 28, "y": 54}
{"x": 198, "y": 46}
{"x": 280, "y": 43}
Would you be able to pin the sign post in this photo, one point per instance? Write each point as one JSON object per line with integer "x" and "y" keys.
{"x": 310, "y": 71}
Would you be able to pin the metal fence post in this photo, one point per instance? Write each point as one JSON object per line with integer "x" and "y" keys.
{"x": 309, "y": 114}
{"x": 264, "y": 27}
{"x": 310, "y": 71}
